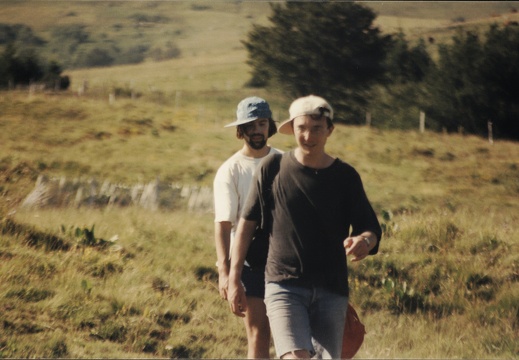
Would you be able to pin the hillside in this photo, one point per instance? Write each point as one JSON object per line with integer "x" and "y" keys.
{"x": 207, "y": 34}
{"x": 448, "y": 260}
{"x": 121, "y": 281}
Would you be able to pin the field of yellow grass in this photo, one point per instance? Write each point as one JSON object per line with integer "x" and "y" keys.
{"x": 121, "y": 282}
{"x": 448, "y": 261}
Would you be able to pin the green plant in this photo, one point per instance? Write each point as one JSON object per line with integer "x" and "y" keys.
{"x": 86, "y": 237}
{"x": 389, "y": 227}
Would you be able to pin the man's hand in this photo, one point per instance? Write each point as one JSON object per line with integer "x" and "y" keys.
{"x": 235, "y": 290}
{"x": 359, "y": 246}
{"x": 223, "y": 284}
{"x": 237, "y": 299}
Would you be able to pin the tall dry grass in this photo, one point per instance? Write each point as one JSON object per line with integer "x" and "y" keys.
{"x": 445, "y": 284}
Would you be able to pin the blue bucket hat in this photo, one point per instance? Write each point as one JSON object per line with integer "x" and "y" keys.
{"x": 250, "y": 109}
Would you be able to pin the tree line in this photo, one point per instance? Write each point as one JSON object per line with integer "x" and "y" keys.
{"x": 26, "y": 67}
{"x": 333, "y": 49}
{"x": 25, "y": 54}
{"x": 78, "y": 47}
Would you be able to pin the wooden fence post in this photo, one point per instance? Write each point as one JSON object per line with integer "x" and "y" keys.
{"x": 490, "y": 134}
{"x": 422, "y": 121}
{"x": 368, "y": 118}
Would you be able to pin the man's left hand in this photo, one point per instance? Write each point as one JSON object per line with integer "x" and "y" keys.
{"x": 359, "y": 246}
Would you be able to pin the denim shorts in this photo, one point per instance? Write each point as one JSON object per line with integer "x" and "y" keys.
{"x": 253, "y": 281}
{"x": 306, "y": 318}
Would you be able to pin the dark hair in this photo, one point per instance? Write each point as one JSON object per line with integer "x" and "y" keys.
{"x": 240, "y": 129}
{"x": 272, "y": 128}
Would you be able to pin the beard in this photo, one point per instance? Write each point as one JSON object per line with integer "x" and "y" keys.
{"x": 257, "y": 144}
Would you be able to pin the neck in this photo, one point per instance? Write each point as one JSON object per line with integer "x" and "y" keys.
{"x": 255, "y": 153}
{"x": 318, "y": 160}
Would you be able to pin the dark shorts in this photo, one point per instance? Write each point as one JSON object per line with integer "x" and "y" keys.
{"x": 253, "y": 281}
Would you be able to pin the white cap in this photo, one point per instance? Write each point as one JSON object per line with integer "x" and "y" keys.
{"x": 308, "y": 105}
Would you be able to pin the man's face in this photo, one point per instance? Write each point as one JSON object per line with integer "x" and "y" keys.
{"x": 256, "y": 132}
{"x": 311, "y": 133}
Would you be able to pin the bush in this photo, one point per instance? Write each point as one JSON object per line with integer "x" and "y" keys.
{"x": 96, "y": 58}
{"x": 73, "y": 33}
{"x": 134, "y": 55}
{"x": 171, "y": 52}
{"x": 19, "y": 33}
{"x": 22, "y": 67}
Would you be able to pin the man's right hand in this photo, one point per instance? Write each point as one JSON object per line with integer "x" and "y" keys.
{"x": 237, "y": 299}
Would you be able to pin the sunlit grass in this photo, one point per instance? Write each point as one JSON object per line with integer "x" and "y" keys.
{"x": 448, "y": 256}
{"x": 444, "y": 285}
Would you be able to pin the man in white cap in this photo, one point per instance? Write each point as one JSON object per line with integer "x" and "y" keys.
{"x": 254, "y": 125}
{"x": 313, "y": 202}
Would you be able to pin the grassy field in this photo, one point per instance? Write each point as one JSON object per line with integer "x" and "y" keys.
{"x": 444, "y": 285}
{"x": 449, "y": 259}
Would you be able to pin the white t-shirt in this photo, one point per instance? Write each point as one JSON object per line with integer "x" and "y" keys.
{"x": 231, "y": 186}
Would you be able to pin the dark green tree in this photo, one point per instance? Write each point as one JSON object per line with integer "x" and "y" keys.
{"x": 6, "y": 65}
{"x": 24, "y": 67}
{"x": 329, "y": 49}
{"x": 398, "y": 100}
{"x": 476, "y": 81}
{"x": 499, "y": 74}
{"x": 19, "y": 68}
{"x": 454, "y": 84}
{"x": 53, "y": 78}
{"x": 407, "y": 64}
{"x": 31, "y": 67}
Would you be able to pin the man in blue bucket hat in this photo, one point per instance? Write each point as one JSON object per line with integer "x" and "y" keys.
{"x": 254, "y": 125}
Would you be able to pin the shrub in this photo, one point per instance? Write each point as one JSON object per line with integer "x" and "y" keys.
{"x": 97, "y": 57}
{"x": 170, "y": 52}
{"x": 72, "y": 33}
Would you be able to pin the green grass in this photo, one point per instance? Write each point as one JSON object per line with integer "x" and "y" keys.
{"x": 448, "y": 261}
{"x": 444, "y": 285}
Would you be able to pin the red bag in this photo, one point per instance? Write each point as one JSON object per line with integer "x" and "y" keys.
{"x": 353, "y": 335}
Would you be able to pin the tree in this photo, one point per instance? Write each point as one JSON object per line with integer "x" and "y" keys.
{"x": 19, "y": 67}
{"x": 476, "y": 82}
{"x": 454, "y": 84}
{"x": 500, "y": 75}
{"x": 399, "y": 99}
{"x": 329, "y": 49}
{"x": 7, "y": 65}
{"x": 405, "y": 64}
{"x": 53, "y": 78}
{"x": 24, "y": 67}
